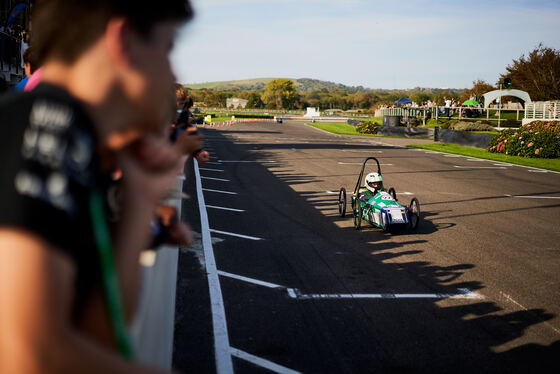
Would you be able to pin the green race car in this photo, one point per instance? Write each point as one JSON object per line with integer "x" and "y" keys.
{"x": 374, "y": 204}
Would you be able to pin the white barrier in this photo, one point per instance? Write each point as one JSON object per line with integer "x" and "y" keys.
{"x": 153, "y": 325}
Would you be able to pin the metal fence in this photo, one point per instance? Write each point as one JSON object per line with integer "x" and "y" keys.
{"x": 543, "y": 110}
{"x": 462, "y": 113}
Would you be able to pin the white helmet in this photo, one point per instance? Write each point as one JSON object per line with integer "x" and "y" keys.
{"x": 374, "y": 182}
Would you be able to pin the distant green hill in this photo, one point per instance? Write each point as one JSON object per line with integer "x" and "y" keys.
{"x": 310, "y": 85}
{"x": 302, "y": 84}
{"x": 246, "y": 84}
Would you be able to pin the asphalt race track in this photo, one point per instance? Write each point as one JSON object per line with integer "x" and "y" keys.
{"x": 475, "y": 289}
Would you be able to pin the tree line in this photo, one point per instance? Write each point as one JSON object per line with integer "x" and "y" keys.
{"x": 538, "y": 73}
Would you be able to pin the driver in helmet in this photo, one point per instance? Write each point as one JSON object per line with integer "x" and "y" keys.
{"x": 374, "y": 184}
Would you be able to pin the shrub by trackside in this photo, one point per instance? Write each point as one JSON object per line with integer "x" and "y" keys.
{"x": 367, "y": 127}
{"x": 469, "y": 126}
{"x": 536, "y": 139}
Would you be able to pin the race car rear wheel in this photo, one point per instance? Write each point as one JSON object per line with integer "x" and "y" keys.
{"x": 393, "y": 193}
{"x": 342, "y": 202}
{"x": 414, "y": 213}
{"x": 358, "y": 216}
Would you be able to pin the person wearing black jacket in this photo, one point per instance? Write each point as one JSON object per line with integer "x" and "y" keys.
{"x": 68, "y": 277}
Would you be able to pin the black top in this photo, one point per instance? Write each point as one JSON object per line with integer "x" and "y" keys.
{"x": 49, "y": 168}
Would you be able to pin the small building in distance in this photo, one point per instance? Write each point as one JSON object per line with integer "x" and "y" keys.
{"x": 312, "y": 112}
{"x": 236, "y": 103}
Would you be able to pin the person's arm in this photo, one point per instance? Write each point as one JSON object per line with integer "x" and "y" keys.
{"x": 149, "y": 171}
{"x": 36, "y": 298}
{"x": 189, "y": 141}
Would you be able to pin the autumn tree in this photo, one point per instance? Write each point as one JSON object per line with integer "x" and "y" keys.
{"x": 478, "y": 89}
{"x": 537, "y": 73}
{"x": 215, "y": 99}
{"x": 419, "y": 97}
{"x": 279, "y": 93}
{"x": 254, "y": 100}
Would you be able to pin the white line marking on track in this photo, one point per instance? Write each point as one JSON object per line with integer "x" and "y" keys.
{"x": 359, "y": 163}
{"x": 223, "y": 208}
{"x": 261, "y": 362}
{"x": 406, "y": 193}
{"x": 218, "y": 191}
{"x": 477, "y": 159}
{"x": 463, "y": 293}
{"x": 480, "y": 167}
{"x": 533, "y": 197}
{"x": 249, "y": 162}
{"x": 509, "y": 298}
{"x": 216, "y": 179}
{"x": 360, "y": 151}
{"x": 236, "y": 235}
{"x": 294, "y": 293}
{"x": 250, "y": 280}
{"x": 205, "y": 169}
{"x": 454, "y": 156}
{"x": 213, "y": 163}
{"x": 224, "y": 364}
{"x": 505, "y": 163}
{"x": 537, "y": 171}
{"x": 332, "y": 192}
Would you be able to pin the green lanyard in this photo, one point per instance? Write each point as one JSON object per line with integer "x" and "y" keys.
{"x": 108, "y": 273}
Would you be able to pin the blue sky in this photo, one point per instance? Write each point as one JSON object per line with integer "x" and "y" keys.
{"x": 373, "y": 43}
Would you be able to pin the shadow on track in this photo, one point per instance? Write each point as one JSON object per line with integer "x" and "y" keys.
{"x": 306, "y": 248}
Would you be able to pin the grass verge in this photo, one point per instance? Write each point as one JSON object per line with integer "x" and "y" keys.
{"x": 340, "y": 128}
{"x": 346, "y": 129}
{"x": 542, "y": 163}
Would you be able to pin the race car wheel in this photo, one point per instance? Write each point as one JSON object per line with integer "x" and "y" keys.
{"x": 342, "y": 202}
{"x": 358, "y": 216}
{"x": 414, "y": 213}
{"x": 393, "y": 193}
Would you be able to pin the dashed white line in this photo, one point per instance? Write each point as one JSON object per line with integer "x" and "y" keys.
{"x": 479, "y": 167}
{"x": 236, "y": 235}
{"x": 224, "y": 208}
{"x": 360, "y": 151}
{"x": 294, "y": 293}
{"x": 262, "y": 362}
{"x": 216, "y": 179}
{"x": 219, "y": 191}
{"x": 249, "y": 162}
{"x": 463, "y": 293}
{"x": 250, "y": 280}
{"x": 206, "y": 169}
{"x": 533, "y": 197}
{"x": 360, "y": 163}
